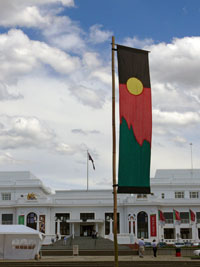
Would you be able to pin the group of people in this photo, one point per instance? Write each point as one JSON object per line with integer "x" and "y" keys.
{"x": 141, "y": 247}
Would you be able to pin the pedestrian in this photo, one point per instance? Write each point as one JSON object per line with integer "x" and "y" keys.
{"x": 141, "y": 247}
{"x": 154, "y": 246}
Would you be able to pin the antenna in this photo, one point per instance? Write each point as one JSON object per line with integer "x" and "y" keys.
{"x": 191, "y": 158}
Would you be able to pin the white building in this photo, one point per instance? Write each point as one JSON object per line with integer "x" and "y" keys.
{"x": 25, "y": 200}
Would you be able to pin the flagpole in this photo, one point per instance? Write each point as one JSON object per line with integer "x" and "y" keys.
{"x": 87, "y": 172}
{"x": 114, "y": 154}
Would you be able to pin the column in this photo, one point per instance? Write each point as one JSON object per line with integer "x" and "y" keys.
{"x": 111, "y": 229}
{"x": 58, "y": 227}
{"x": 194, "y": 232}
{"x": 161, "y": 232}
{"x": 177, "y": 235}
{"x": 73, "y": 230}
{"x": 131, "y": 234}
{"x": 38, "y": 224}
{"x": 136, "y": 226}
{"x": 96, "y": 227}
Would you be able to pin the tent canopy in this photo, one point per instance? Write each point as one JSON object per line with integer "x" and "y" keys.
{"x": 19, "y": 242}
{"x": 18, "y": 229}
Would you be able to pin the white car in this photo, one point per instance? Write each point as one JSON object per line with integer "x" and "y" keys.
{"x": 196, "y": 252}
{"x": 179, "y": 244}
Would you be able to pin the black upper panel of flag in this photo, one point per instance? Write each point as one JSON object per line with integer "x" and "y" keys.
{"x": 133, "y": 62}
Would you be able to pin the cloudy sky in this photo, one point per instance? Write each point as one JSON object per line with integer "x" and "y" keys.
{"x": 55, "y": 84}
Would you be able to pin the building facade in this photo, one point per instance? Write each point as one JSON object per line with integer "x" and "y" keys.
{"x": 174, "y": 193}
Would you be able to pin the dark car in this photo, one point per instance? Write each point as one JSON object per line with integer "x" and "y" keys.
{"x": 188, "y": 244}
{"x": 147, "y": 244}
{"x": 162, "y": 244}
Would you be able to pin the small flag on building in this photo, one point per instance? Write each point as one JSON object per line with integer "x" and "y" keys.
{"x": 135, "y": 121}
{"x": 161, "y": 216}
{"x": 192, "y": 216}
{"x": 176, "y": 215}
{"x": 90, "y": 158}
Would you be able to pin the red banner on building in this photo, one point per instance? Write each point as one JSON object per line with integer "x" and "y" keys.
{"x": 153, "y": 225}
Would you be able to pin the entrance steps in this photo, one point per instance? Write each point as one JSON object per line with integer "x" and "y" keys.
{"x": 87, "y": 246}
{"x": 100, "y": 264}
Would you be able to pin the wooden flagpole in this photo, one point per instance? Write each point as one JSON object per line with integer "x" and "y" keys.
{"x": 114, "y": 154}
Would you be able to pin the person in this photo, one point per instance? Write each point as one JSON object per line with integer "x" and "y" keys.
{"x": 154, "y": 246}
{"x": 57, "y": 237}
{"x": 141, "y": 247}
{"x": 65, "y": 240}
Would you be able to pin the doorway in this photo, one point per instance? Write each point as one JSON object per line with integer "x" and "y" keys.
{"x": 86, "y": 230}
{"x": 142, "y": 224}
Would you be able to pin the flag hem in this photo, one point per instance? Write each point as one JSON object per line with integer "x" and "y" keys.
{"x": 133, "y": 189}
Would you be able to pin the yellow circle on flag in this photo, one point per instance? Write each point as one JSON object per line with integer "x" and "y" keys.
{"x": 134, "y": 86}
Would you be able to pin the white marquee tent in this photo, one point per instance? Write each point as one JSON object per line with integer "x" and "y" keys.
{"x": 19, "y": 242}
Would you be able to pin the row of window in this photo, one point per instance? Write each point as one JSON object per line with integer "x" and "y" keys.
{"x": 179, "y": 194}
{"x": 183, "y": 215}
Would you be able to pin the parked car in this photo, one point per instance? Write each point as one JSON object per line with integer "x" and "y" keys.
{"x": 196, "y": 244}
{"x": 188, "y": 244}
{"x": 196, "y": 252}
{"x": 179, "y": 244}
{"x": 162, "y": 244}
{"x": 147, "y": 244}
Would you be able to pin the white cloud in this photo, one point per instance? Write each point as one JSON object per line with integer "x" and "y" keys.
{"x": 26, "y": 132}
{"x": 88, "y": 96}
{"x": 138, "y": 43}
{"x": 97, "y": 35}
{"x": 7, "y": 158}
{"x": 20, "y": 55}
{"x": 180, "y": 140}
{"x": 7, "y": 94}
{"x": 18, "y": 132}
{"x": 26, "y": 13}
{"x": 175, "y": 118}
{"x": 177, "y": 62}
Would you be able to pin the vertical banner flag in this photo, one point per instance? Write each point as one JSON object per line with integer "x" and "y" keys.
{"x": 176, "y": 215}
{"x": 90, "y": 158}
{"x": 135, "y": 120}
{"x": 21, "y": 219}
{"x": 161, "y": 216}
{"x": 153, "y": 225}
{"x": 192, "y": 216}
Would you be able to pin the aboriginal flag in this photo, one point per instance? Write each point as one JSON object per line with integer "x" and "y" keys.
{"x": 135, "y": 120}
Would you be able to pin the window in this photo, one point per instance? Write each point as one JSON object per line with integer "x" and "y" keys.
{"x": 7, "y": 218}
{"x": 198, "y": 217}
{"x": 184, "y": 217}
{"x": 141, "y": 196}
{"x": 168, "y": 217}
{"x": 163, "y": 195}
{"x": 194, "y": 194}
{"x": 86, "y": 216}
{"x": 64, "y": 225}
{"x": 6, "y": 196}
{"x": 109, "y": 216}
{"x": 169, "y": 233}
{"x": 179, "y": 194}
{"x": 186, "y": 233}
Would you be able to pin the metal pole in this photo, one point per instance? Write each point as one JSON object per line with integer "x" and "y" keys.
{"x": 114, "y": 154}
{"x": 191, "y": 157}
{"x": 87, "y": 172}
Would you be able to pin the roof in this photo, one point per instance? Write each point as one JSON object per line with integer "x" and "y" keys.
{"x": 178, "y": 173}
{"x": 17, "y": 229}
